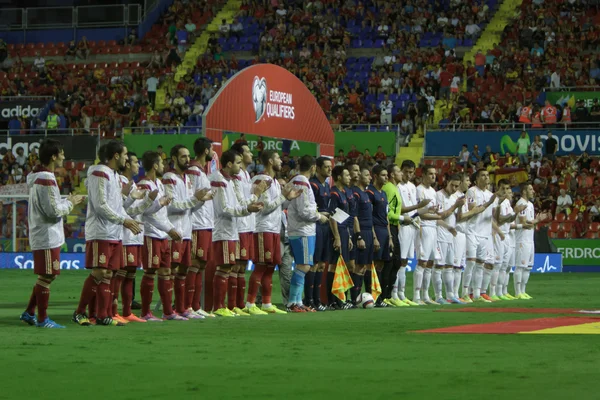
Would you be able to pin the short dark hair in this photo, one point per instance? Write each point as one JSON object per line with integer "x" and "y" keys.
{"x": 427, "y": 167}
{"x": 478, "y": 172}
{"x": 321, "y": 161}
{"x": 408, "y": 164}
{"x": 175, "y": 150}
{"x": 350, "y": 164}
{"x": 502, "y": 182}
{"x": 49, "y": 148}
{"x": 390, "y": 168}
{"x": 239, "y": 147}
{"x": 337, "y": 172}
{"x": 306, "y": 163}
{"x": 201, "y": 145}
{"x": 377, "y": 169}
{"x": 524, "y": 185}
{"x": 266, "y": 155}
{"x": 111, "y": 148}
{"x": 149, "y": 159}
{"x": 453, "y": 177}
{"x": 228, "y": 157}
{"x": 129, "y": 155}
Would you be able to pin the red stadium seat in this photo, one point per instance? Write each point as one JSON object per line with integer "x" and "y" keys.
{"x": 554, "y": 226}
{"x": 591, "y": 235}
{"x": 69, "y": 165}
{"x": 439, "y": 164}
{"x": 561, "y": 235}
{"x": 566, "y": 227}
{"x": 560, "y": 217}
{"x": 80, "y": 166}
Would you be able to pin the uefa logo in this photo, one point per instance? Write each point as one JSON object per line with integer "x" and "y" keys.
{"x": 259, "y": 97}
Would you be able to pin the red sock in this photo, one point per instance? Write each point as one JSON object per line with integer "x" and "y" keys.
{"x": 92, "y": 305}
{"x": 209, "y": 275}
{"x": 146, "y": 291}
{"x": 219, "y": 290}
{"x": 165, "y": 289}
{"x": 197, "y": 292}
{"x": 42, "y": 295}
{"x": 127, "y": 295}
{"x": 190, "y": 287}
{"x": 241, "y": 289}
{"x": 180, "y": 294}
{"x": 87, "y": 293}
{"x": 266, "y": 285}
{"x": 116, "y": 282}
{"x": 255, "y": 280}
{"x": 103, "y": 299}
{"x": 232, "y": 291}
{"x": 32, "y": 302}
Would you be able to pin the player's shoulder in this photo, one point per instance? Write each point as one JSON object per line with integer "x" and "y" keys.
{"x": 146, "y": 184}
{"x": 261, "y": 177}
{"x": 123, "y": 179}
{"x": 194, "y": 170}
{"x": 300, "y": 180}
{"x": 100, "y": 171}
{"x": 522, "y": 201}
{"x": 42, "y": 178}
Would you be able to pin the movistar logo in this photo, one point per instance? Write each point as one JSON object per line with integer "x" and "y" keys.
{"x": 507, "y": 145}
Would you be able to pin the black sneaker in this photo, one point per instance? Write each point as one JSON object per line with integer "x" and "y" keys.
{"x": 334, "y": 307}
{"x": 347, "y": 305}
{"x": 320, "y": 307}
{"x": 108, "y": 321}
{"x": 80, "y": 319}
{"x": 380, "y": 304}
{"x": 135, "y": 305}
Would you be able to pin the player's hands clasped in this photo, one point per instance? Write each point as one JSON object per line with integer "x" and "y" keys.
{"x": 75, "y": 199}
{"x": 255, "y": 207}
{"x": 203, "y": 194}
{"x": 133, "y": 226}
{"x": 173, "y": 234}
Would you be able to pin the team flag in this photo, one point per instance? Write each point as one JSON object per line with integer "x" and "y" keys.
{"x": 342, "y": 280}
{"x": 375, "y": 285}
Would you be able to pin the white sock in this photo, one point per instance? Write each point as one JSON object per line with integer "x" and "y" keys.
{"x": 401, "y": 282}
{"x": 524, "y": 279}
{"x": 426, "y": 283}
{"x": 418, "y": 282}
{"x": 467, "y": 277}
{"x": 517, "y": 280}
{"x": 448, "y": 278}
{"x": 457, "y": 272}
{"x": 506, "y": 281}
{"x": 395, "y": 289}
{"x": 477, "y": 281}
{"x": 437, "y": 283}
{"x": 487, "y": 277}
{"x": 500, "y": 281}
{"x": 249, "y": 305}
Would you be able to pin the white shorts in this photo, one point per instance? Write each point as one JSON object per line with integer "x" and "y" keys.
{"x": 500, "y": 249}
{"x": 480, "y": 248}
{"x": 446, "y": 254}
{"x": 427, "y": 247}
{"x": 524, "y": 256}
{"x": 407, "y": 237}
{"x": 460, "y": 250}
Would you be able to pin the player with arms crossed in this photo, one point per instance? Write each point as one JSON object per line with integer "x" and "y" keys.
{"x": 267, "y": 240}
{"x": 225, "y": 235}
{"x": 156, "y": 253}
{"x": 354, "y": 171}
{"x": 302, "y": 218}
{"x": 45, "y": 213}
{"x": 363, "y": 232}
{"x": 480, "y": 247}
{"x": 202, "y": 226}
{"x": 525, "y": 249}
{"x": 104, "y": 225}
{"x": 446, "y": 233}
{"x": 321, "y": 191}
{"x": 408, "y": 232}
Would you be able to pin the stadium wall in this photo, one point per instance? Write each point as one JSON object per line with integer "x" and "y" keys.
{"x": 449, "y": 143}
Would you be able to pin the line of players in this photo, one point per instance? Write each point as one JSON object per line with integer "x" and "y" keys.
{"x": 175, "y": 223}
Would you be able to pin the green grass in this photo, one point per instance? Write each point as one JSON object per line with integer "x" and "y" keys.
{"x": 353, "y": 354}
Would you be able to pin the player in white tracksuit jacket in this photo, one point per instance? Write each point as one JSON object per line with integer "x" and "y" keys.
{"x": 45, "y": 213}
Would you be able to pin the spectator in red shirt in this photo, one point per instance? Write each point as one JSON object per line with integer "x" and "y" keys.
{"x": 260, "y": 145}
{"x": 380, "y": 155}
{"x": 353, "y": 154}
{"x": 340, "y": 159}
{"x": 579, "y": 227}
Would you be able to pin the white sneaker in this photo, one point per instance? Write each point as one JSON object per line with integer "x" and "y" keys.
{"x": 205, "y": 314}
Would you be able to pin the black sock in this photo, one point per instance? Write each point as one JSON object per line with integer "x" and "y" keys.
{"x": 354, "y": 291}
{"x": 330, "y": 296}
{"x": 381, "y": 284}
{"x": 133, "y": 295}
{"x": 367, "y": 279}
{"x": 317, "y": 287}
{"x": 385, "y": 284}
{"x": 309, "y": 281}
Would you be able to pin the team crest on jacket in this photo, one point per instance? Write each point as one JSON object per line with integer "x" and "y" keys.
{"x": 56, "y": 265}
{"x": 102, "y": 258}
{"x": 268, "y": 255}
{"x": 243, "y": 252}
{"x": 155, "y": 260}
{"x": 200, "y": 252}
{"x": 175, "y": 255}
{"x": 130, "y": 258}
{"x": 232, "y": 256}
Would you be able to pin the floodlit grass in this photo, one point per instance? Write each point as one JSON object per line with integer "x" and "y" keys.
{"x": 354, "y": 354}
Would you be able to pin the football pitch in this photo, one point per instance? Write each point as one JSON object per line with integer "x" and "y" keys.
{"x": 355, "y": 354}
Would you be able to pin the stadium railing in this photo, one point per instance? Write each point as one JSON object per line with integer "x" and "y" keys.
{"x": 590, "y": 88}
{"x": 483, "y": 127}
{"x": 73, "y": 17}
{"x": 18, "y": 134}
